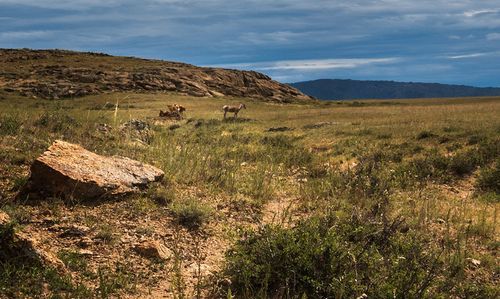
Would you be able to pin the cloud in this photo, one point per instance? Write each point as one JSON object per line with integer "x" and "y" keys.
{"x": 472, "y": 55}
{"x": 493, "y": 36}
{"x": 475, "y": 13}
{"x": 18, "y": 35}
{"x": 287, "y": 33}
{"x": 310, "y": 65}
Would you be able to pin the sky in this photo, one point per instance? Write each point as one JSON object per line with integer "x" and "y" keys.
{"x": 456, "y": 42}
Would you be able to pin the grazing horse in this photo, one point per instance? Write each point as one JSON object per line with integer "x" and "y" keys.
{"x": 234, "y": 109}
{"x": 174, "y": 111}
{"x": 176, "y": 108}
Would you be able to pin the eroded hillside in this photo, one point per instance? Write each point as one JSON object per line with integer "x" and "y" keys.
{"x": 54, "y": 74}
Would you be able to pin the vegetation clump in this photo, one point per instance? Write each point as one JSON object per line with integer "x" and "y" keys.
{"x": 191, "y": 213}
{"x": 334, "y": 257}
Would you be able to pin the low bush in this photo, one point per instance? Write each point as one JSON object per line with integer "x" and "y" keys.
{"x": 191, "y": 213}
{"x": 9, "y": 124}
{"x": 489, "y": 178}
{"x": 56, "y": 122}
{"x": 327, "y": 257}
{"x": 425, "y": 135}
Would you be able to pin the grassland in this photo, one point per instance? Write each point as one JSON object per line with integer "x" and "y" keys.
{"x": 383, "y": 198}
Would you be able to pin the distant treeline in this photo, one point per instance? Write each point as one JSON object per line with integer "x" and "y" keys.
{"x": 338, "y": 89}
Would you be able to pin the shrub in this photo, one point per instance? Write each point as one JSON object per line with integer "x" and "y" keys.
{"x": 489, "y": 178}
{"x": 56, "y": 121}
{"x": 325, "y": 257}
{"x": 474, "y": 139}
{"x": 162, "y": 195}
{"x": 191, "y": 213}
{"x": 462, "y": 164}
{"x": 425, "y": 135}
{"x": 9, "y": 124}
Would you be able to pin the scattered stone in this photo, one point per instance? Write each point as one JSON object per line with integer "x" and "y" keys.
{"x": 85, "y": 252}
{"x": 85, "y": 242}
{"x": 202, "y": 270}
{"x": 4, "y": 219}
{"x": 70, "y": 171}
{"x": 153, "y": 249}
{"x": 474, "y": 262}
{"x": 138, "y": 129}
{"x": 74, "y": 231}
{"x": 244, "y": 164}
{"x": 30, "y": 246}
{"x": 279, "y": 129}
{"x": 104, "y": 128}
{"x": 136, "y": 124}
{"x": 440, "y": 221}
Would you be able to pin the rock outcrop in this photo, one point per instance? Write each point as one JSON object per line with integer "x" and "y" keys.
{"x": 70, "y": 171}
{"x": 54, "y": 74}
{"x": 24, "y": 245}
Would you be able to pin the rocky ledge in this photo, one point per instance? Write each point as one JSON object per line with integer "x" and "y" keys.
{"x": 54, "y": 74}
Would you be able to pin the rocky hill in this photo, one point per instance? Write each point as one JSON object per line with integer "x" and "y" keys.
{"x": 55, "y": 74}
{"x": 337, "y": 89}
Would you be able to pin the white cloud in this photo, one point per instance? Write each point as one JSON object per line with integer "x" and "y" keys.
{"x": 472, "y": 55}
{"x": 475, "y": 13}
{"x": 33, "y": 34}
{"x": 312, "y": 64}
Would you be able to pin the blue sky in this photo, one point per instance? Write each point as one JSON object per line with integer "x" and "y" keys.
{"x": 290, "y": 40}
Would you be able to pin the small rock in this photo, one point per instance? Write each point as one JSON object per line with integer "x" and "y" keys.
{"x": 104, "y": 128}
{"x": 85, "y": 252}
{"x": 136, "y": 124}
{"x": 153, "y": 249}
{"x": 440, "y": 221}
{"x": 474, "y": 262}
{"x": 85, "y": 242}
{"x": 4, "y": 219}
{"x": 203, "y": 270}
{"x": 244, "y": 164}
{"x": 74, "y": 231}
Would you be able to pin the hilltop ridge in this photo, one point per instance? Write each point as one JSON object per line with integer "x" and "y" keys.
{"x": 340, "y": 89}
{"x": 54, "y": 74}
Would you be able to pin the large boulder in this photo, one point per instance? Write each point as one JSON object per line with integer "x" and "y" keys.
{"x": 69, "y": 171}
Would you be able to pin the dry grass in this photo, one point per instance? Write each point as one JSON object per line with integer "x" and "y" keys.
{"x": 242, "y": 174}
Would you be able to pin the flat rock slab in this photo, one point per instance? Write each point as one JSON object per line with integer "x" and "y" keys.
{"x": 70, "y": 171}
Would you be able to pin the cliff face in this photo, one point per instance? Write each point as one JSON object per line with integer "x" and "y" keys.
{"x": 54, "y": 74}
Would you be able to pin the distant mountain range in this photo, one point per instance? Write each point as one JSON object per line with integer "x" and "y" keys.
{"x": 338, "y": 89}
